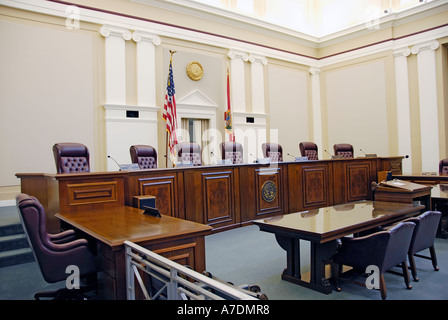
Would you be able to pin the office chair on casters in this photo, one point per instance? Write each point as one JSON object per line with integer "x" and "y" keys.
{"x": 71, "y": 157}
{"x": 144, "y": 156}
{"x": 343, "y": 149}
{"x": 273, "y": 151}
{"x": 384, "y": 249}
{"x": 232, "y": 151}
{"x": 55, "y": 252}
{"x": 309, "y": 149}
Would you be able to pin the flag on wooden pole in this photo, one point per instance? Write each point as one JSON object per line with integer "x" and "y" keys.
{"x": 228, "y": 113}
{"x": 170, "y": 113}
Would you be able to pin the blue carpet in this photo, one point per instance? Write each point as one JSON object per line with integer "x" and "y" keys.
{"x": 249, "y": 256}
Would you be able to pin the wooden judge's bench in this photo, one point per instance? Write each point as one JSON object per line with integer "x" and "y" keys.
{"x": 222, "y": 196}
{"x": 193, "y": 202}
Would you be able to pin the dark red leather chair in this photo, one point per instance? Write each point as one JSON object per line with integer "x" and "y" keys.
{"x": 273, "y": 151}
{"x": 71, "y": 157}
{"x": 309, "y": 149}
{"x": 55, "y": 252}
{"x": 443, "y": 166}
{"x": 145, "y": 156}
{"x": 343, "y": 149}
{"x": 188, "y": 152}
{"x": 232, "y": 151}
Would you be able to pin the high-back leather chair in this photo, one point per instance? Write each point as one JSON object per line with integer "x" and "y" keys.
{"x": 309, "y": 150}
{"x": 343, "y": 149}
{"x": 71, "y": 157}
{"x": 189, "y": 152}
{"x": 426, "y": 226}
{"x": 232, "y": 151}
{"x": 443, "y": 166}
{"x": 273, "y": 151}
{"x": 145, "y": 156}
{"x": 384, "y": 249}
{"x": 54, "y": 252}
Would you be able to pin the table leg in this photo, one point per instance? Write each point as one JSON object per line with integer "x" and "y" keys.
{"x": 319, "y": 252}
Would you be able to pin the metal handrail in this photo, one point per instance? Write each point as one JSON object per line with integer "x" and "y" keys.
{"x": 175, "y": 282}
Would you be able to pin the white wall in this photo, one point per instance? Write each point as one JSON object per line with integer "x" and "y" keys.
{"x": 46, "y": 96}
{"x": 356, "y": 101}
{"x": 288, "y": 107}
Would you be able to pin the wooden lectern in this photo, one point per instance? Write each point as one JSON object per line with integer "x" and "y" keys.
{"x": 404, "y": 192}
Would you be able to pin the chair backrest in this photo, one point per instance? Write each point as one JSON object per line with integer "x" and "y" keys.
{"x": 71, "y": 157}
{"x": 145, "y": 156}
{"x": 189, "y": 152}
{"x": 232, "y": 151}
{"x": 443, "y": 166}
{"x": 426, "y": 226}
{"x": 52, "y": 258}
{"x": 309, "y": 149}
{"x": 273, "y": 151}
{"x": 343, "y": 149}
{"x": 398, "y": 245}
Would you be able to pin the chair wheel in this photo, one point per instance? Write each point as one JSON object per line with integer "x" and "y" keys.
{"x": 436, "y": 268}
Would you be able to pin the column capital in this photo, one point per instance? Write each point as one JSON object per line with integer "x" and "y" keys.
{"x": 256, "y": 58}
{"x": 138, "y": 36}
{"x": 107, "y": 31}
{"x": 314, "y": 71}
{"x": 402, "y": 52}
{"x": 235, "y": 54}
{"x": 429, "y": 45}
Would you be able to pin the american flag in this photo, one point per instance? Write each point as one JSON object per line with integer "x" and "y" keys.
{"x": 169, "y": 113}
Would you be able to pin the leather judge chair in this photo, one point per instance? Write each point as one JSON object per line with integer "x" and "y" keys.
{"x": 309, "y": 149}
{"x": 232, "y": 151}
{"x": 145, "y": 156}
{"x": 443, "y": 166}
{"x": 189, "y": 152}
{"x": 273, "y": 151}
{"x": 71, "y": 157}
{"x": 384, "y": 249}
{"x": 55, "y": 252}
{"x": 425, "y": 231}
{"x": 343, "y": 149}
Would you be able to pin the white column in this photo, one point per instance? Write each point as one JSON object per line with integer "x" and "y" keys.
{"x": 146, "y": 73}
{"x": 115, "y": 62}
{"x": 317, "y": 108}
{"x": 237, "y": 83}
{"x": 427, "y": 88}
{"x": 257, "y": 83}
{"x": 403, "y": 106}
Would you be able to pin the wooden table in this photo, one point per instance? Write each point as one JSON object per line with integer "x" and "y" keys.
{"x": 322, "y": 227}
{"x": 107, "y": 229}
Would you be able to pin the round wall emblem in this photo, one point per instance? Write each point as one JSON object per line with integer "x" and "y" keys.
{"x": 195, "y": 71}
{"x": 269, "y": 191}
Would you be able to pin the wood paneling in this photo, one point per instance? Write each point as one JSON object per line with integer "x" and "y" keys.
{"x": 225, "y": 196}
{"x": 164, "y": 189}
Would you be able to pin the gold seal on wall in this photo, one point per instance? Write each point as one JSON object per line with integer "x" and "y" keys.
{"x": 195, "y": 71}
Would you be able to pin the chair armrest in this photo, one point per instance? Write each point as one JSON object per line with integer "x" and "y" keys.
{"x": 69, "y": 245}
{"x": 63, "y": 237}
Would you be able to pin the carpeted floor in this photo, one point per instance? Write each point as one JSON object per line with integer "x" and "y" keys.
{"x": 249, "y": 256}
